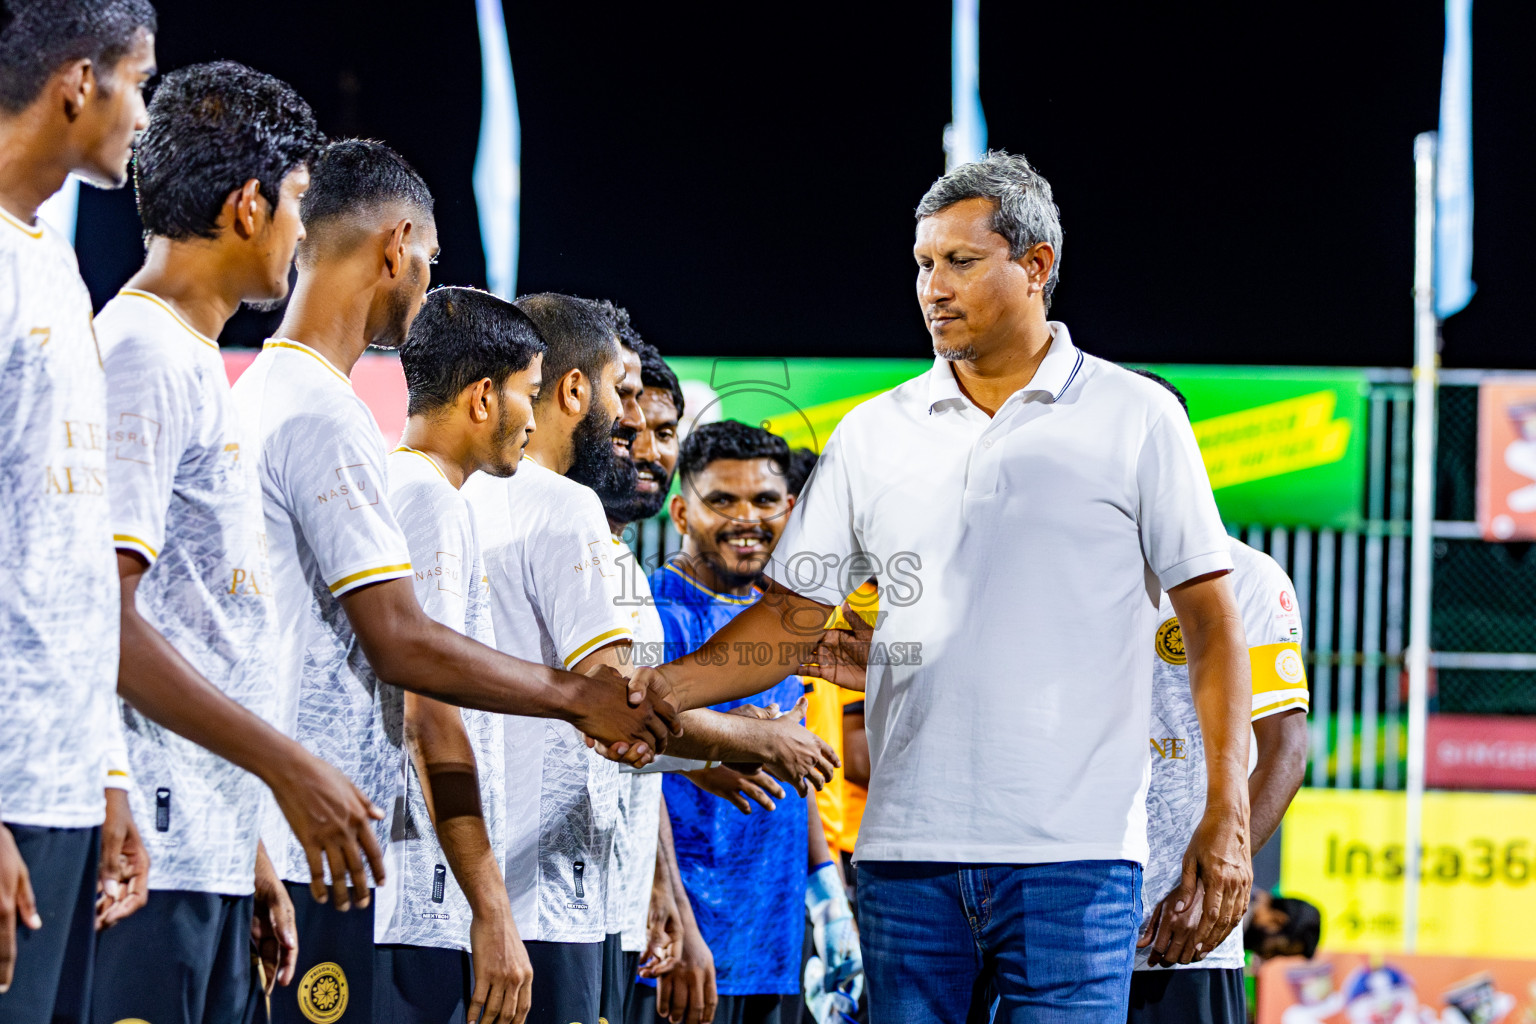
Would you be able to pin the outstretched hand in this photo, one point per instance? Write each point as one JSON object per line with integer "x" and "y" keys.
{"x": 625, "y": 719}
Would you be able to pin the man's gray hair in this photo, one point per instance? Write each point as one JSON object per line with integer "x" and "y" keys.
{"x": 1026, "y": 213}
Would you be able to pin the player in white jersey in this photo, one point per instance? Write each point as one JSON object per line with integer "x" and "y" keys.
{"x": 446, "y": 938}
{"x": 71, "y": 72}
{"x": 348, "y": 616}
{"x": 550, "y": 557}
{"x": 218, "y": 177}
{"x": 1195, "y": 984}
{"x": 659, "y": 929}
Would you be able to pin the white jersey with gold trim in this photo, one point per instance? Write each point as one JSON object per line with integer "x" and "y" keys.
{"x": 554, "y": 593}
{"x": 59, "y": 604}
{"x": 1176, "y": 799}
{"x": 420, "y": 903}
{"x": 634, "y": 846}
{"x": 329, "y": 531}
{"x": 186, "y": 499}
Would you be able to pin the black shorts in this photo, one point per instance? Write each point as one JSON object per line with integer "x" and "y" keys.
{"x": 333, "y": 983}
{"x": 610, "y": 1002}
{"x": 52, "y": 981}
{"x": 184, "y": 958}
{"x": 567, "y": 982}
{"x": 420, "y": 985}
{"x": 728, "y": 1010}
{"x": 1200, "y": 995}
{"x": 631, "y": 984}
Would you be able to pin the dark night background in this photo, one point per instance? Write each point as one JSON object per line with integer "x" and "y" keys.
{"x": 1235, "y": 184}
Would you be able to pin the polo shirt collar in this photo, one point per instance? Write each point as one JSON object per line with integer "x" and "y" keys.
{"x": 1053, "y": 376}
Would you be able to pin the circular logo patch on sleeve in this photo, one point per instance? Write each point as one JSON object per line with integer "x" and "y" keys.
{"x": 323, "y": 993}
{"x": 1170, "y": 643}
{"x": 1288, "y": 666}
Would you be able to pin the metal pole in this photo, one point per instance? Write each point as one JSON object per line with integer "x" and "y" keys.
{"x": 1425, "y": 360}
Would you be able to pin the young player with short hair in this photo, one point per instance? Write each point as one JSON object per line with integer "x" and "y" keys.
{"x": 71, "y": 75}
{"x": 349, "y": 618}
{"x": 446, "y": 939}
{"x": 555, "y": 596}
{"x": 218, "y": 174}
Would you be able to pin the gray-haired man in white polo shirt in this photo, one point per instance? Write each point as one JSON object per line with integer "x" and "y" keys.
{"x": 1057, "y": 496}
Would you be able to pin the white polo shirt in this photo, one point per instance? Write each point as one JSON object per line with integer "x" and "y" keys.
{"x": 1020, "y": 558}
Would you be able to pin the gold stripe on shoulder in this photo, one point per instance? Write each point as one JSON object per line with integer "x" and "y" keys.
{"x": 594, "y": 643}
{"x": 355, "y": 577}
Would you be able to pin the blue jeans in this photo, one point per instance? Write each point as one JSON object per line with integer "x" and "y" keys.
{"x": 1053, "y": 942}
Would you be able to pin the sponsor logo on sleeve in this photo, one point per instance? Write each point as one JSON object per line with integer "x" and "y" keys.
{"x": 134, "y": 438}
{"x": 351, "y": 488}
{"x": 447, "y": 572}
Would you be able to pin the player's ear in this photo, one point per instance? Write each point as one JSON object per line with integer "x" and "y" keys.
{"x": 677, "y": 508}
{"x": 480, "y": 397}
{"x": 572, "y": 392}
{"x": 76, "y": 83}
{"x": 394, "y": 248}
{"x": 246, "y": 210}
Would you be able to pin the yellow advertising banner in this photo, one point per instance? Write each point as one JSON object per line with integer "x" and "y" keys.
{"x": 1343, "y": 851}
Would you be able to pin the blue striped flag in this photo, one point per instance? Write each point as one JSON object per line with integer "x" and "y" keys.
{"x": 965, "y": 137}
{"x": 497, "y": 178}
{"x": 1453, "y": 166}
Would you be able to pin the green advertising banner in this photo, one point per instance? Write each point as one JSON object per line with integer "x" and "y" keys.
{"x": 1284, "y": 446}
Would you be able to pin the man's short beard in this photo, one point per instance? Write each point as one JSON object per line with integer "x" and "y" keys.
{"x": 638, "y": 505}
{"x": 505, "y": 428}
{"x": 594, "y": 461}
{"x": 957, "y": 355}
{"x": 265, "y": 305}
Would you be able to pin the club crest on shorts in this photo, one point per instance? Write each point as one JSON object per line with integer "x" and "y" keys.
{"x": 1170, "y": 643}
{"x": 323, "y": 993}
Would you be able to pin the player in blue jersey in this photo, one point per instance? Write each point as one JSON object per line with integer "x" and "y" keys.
{"x": 745, "y": 874}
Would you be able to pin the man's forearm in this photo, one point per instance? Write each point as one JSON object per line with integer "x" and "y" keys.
{"x": 1218, "y": 681}
{"x": 666, "y": 850}
{"x": 406, "y": 648}
{"x": 443, "y": 756}
{"x": 714, "y": 736}
{"x": 1282, "y": 764}
{"x": 725, "y": 668}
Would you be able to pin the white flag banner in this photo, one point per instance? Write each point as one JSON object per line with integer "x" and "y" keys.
{"x": 965, "y": 137}
{"x": 1453, "y": 166}
{"x": 497, "y": 179}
